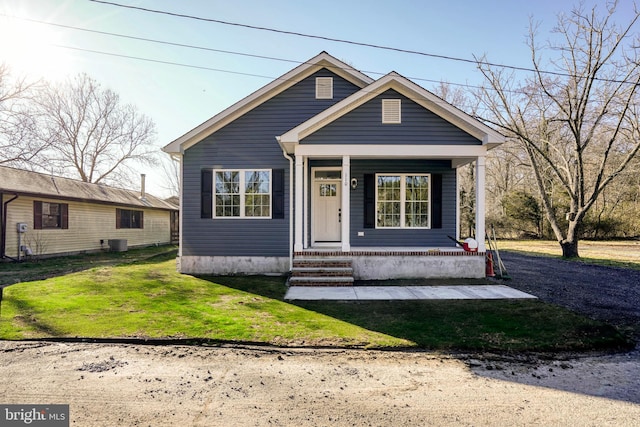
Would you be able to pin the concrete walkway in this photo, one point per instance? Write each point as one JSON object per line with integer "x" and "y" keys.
{"x": 386, "y": 293}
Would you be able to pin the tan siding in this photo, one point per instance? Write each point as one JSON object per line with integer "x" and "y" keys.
{"x": 88, "y": 224}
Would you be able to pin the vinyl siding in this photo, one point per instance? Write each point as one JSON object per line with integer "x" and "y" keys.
{"x": 403, "y": 237}
{"x": 364, "y": 125}
{"x": 247, "y": 143}
{"x": 88, "y": 224}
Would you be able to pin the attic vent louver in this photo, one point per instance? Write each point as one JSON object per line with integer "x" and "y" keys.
{"x": 324, "y": 87}
{"x": 391, "y": 111}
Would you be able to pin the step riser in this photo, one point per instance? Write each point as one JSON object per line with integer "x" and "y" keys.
{"x": 320, "y": 264}
{"x": 319, "y": 273}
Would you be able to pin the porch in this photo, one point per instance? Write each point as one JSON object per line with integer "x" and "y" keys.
{"x": 338, "y": 268}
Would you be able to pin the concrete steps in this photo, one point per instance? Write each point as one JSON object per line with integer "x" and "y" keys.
{"x": 321, "y": 270}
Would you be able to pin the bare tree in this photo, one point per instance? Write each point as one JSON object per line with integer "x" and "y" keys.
{"x": 18, "y": 144}
{"x": 579, "y": 123}
{"x": 93, "y": 135}
{"x": 171, "y": 174}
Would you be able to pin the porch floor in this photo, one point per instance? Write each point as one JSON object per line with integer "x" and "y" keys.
{"x": 391, "y": 293}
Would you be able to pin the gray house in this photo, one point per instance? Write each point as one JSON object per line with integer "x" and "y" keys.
{"x": 331, "y": 175}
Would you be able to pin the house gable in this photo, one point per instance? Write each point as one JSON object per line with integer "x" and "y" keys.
{"x": 410, "y": 91}
{"x": 279, "y": 85}
{"x": 364, "y": 125}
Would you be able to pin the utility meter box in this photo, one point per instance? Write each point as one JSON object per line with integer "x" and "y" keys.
{"x": 22, "y": 227}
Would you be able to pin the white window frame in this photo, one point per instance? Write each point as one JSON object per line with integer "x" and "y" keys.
{"x": 322, "y": 83}
{"x": 403, "y": 201}
{"x": 391, "y": 111}
{"x": 242, "y": 188}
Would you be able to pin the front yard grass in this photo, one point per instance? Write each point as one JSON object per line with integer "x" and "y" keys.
{"x": 150, "y": 300}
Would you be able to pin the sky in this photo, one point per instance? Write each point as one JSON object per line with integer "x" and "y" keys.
{"x": 180, "y": 87}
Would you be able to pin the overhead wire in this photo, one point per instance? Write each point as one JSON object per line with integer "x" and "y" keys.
{"x": 203, "y": 48}
{"x": 351, "y": 42}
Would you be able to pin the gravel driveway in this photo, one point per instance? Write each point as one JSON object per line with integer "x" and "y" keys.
{"x": 605, "y": 293}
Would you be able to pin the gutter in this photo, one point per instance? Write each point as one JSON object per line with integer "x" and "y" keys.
{"x": 3, "y": 235}
{"x": 288, "y": 157}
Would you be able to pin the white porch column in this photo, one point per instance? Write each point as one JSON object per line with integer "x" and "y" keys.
{"x": 305, "y": 202}
{"x": 346, "y": 207}
{"x": 298, "y": 209}
{"x": 480, "y": 203}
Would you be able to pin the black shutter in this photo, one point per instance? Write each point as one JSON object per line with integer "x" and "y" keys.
{"x": 369, "y": 200}
{"x": 206, "y": 194}
{"x": 436, "y": 200}
{"x": 118, "y": 218}
{"x": 37, "y": 215}
{"x": 141, "y": 219}
{"x": 277, "y": 193}
{"x": 64, "y": 216}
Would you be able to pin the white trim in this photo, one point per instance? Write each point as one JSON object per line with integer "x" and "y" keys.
{"x": 323, "y": 60}
{"x": 346, "y": 203}
{"x": 480, "y": 203}
{"x": 305, "y": 184}
{"x": 361, "y": 151}
{"x": 298, "y": 245}
{"x": 457, "y": 196}
{"x": 181, "y": 201}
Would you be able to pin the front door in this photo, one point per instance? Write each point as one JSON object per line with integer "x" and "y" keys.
{"x": 326, "y": 206}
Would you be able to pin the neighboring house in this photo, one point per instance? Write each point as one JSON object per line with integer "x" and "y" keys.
{"x": 63, "y": 216}
{"x": 324, "y": 162}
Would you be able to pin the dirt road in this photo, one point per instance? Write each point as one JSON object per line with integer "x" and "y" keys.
{"x": 136, "y": 385}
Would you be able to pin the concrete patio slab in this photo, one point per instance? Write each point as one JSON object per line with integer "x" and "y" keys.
{"x": 392, "y": 293}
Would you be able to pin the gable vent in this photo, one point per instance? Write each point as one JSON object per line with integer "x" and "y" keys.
{"x": 391, "y": 111}
{"x": 324, "y": 87}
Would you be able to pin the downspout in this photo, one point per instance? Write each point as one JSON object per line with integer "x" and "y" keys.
{"x": 3, "y": 237}
{"x": 288, "y": 157}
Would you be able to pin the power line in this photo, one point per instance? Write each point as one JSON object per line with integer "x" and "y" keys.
{"x": 189, "y": 46}
{"x": 325, "y": 38}
{"x": 158, "y": 61}
{"x": 351, "y": 42}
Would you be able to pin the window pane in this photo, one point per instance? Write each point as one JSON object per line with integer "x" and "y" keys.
{"x": 227, "y": 193}
{"x": 389, "y": 201}
{"x": 416, "y": 201}
{"x": 50, "y": 215}
{"x": 330, "y": 174}
{"x": 257, "y": 202}
{"x": 256, "y": 182}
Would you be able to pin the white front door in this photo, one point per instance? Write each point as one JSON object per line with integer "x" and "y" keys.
{"x": 326, "y": 206}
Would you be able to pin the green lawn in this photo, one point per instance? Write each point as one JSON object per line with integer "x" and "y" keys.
{"x": 149, "y": 299}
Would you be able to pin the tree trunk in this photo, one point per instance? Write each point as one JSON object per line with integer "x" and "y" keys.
{"x": 569, "y": 248}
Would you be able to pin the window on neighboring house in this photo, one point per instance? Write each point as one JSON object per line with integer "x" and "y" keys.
{"x": 391, "y": 112}
{"x": 127, "y": 218}
{"x": 242, "y": 193}
{"x": 402, "y": 201}
{"x": 324, "y": 87}
{"x": 47, "y": 215}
